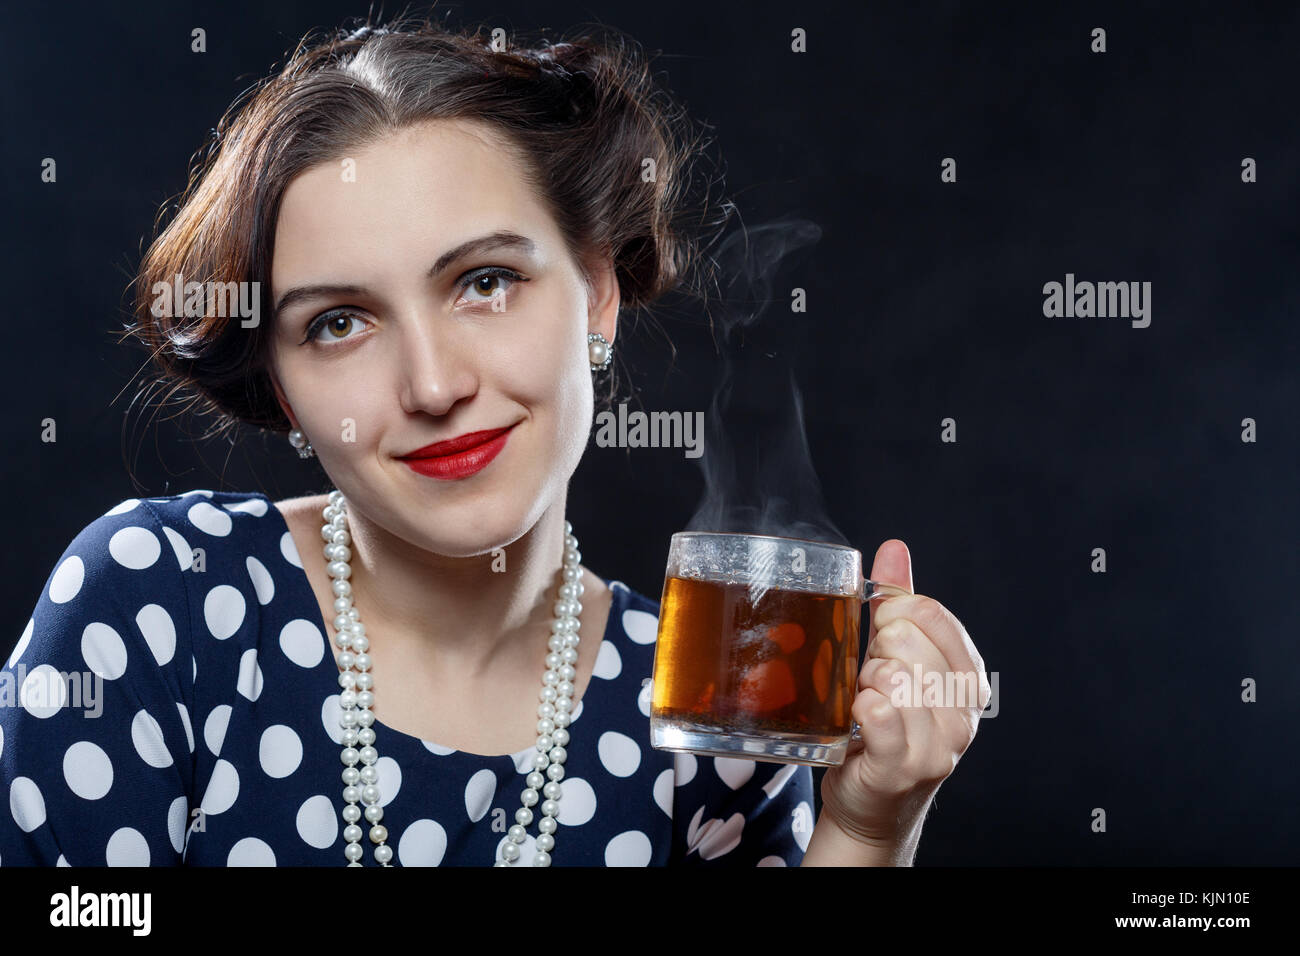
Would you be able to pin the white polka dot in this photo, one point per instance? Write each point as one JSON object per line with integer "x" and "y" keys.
{"x": 778, "y": 781}
{"x": 2, "y": 740}
{"x": 684, "y": 767}
{"x": 250, "y": 675}
{"x": 223, "y": 788}
{"x": 480, "y": 790}
{"x": 210, "y": 520}
{"x": 250, "y": 851}
{"x": 130, "y": 504}
{"x": 290, "y": 550}
{"x": 253, "y": 506}
{"x": 390, "y": 779}
{"x": 197, "y": 491}
{"x": 735, "y": 773}
{"x": 26, "y": 804}
{"x": 608, "y": 663}
{"x": 194, "y": 668}
{"x": 127, "y": 847}
{"x": 422, "y": 843}
{"x": 619, "y": 753}
{"x": 330, "y": 712}
{"x": 223, "y": 610}
{"x": 577, "y": 712}
{"x": 43, "y": 692}
{"x": 262, "y": 583}
{"x": 23, "y": 641}
{"x": 87, "y": 770}
{"x": 147, "y": 736}
{"x": 630, "y": 848}
{"x": 302, "y": 642}
{"x": 715, "y": 837}
{"x": 214, "y": 728}
{"x": 438, "y": 749}
{"x": 159, "y": 632}
{"x": 772, "y": 861}
{"x": 643, "y": 699}
{"x": 66, "y": 580}
{"x": 318, "y": 822}
{"x": 134, "y": 548}
{"x": 663, "y": 792}
{"x": 180, "y": 547}
{"x": 524, "y": 759}
{"x": 802, "y": 823}
{"x": 103, "y": 651}
{"x": 616, "y": 585}
{"x": 280, "y": 751}
{"x": 62, "y": 861}
{"x": 577, "y": 801}
{"x": 177, "y": 816}
{"x": 641, "y": 626}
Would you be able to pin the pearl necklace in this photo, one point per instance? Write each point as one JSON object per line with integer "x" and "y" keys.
{"x": 357, "y": 698}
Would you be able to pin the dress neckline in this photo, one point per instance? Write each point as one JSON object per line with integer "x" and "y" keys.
{"x": 327, "y": 671}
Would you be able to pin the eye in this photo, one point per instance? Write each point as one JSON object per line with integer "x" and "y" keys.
{"x": 487, "y": 282}
{"x": 336, "y": 326}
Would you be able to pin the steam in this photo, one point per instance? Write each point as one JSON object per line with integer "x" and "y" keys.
{"x": 758, "y": 471}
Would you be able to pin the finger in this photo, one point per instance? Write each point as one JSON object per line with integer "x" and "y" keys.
{"x": 902, "y": 639}
{"x": 883, "y": 733}
{"x": 938, "y": 624}
{"x": 892, "y": 565}
{"x": 896, "y": 680}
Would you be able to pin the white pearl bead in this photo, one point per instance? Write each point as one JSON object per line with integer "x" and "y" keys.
{"x": 378, "y": 834}
{"x": 546, "y": 824}
{"x": 369, "y": 794}
{"x": 366, "y": 737}
{"x": 374, "y": 813}
{"x": 546, "y": 710}
{"x": 352, "y": 795}
{"x": 384, "y": 854}
{"x": 369, "y": 755}
{"x": 565, "y": 688}
{"x": 535, "y": 779}
{"x": 557, "y": 754}
{"x": 540, "y": 761}
{"x": 351, "y": 775}
{"x": 369, "y": 775}
{"x": 523, "y": 816}
{"x": 542, "y": 859}
{"x": 544, "y": 742}
{"x": 546, "y": 693}
{"x": 569, "y": 655}
{"x": 360, "y": 643}
{"x": 555, "y": 771}
{"x": 352, "y": 813}
{"x": 352, "y": 833}
{"x": 510, "y": 851}
{"x": 563, "y": 705}
{"x": 550, "y": 808}
{"x": 350, "y": 756}
{"x": 552, "y": 790}
{"x": 365, "y": 681}
{"x": 545, "y": 726}
{"x": 528, "y": 797}
{"x": 545, "y": 843}
{"x": 561, "y": 737}
{"x": 516, "y": 834}
{"x": 567, "y": 672}
{"x": 353, "y": 851}
{"x": 562, "y": 720}
{"x": 341, "y": 587}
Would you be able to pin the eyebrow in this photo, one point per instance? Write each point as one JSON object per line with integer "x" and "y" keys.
{"x": 487, "y": 243}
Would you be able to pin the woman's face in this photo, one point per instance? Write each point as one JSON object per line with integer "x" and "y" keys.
{"x": 408, "y": 354}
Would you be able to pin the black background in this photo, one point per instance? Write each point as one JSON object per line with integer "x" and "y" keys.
{"x": 1119, "y": 690}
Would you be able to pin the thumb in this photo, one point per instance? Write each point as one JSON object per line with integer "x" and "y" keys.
{"x": 893, "y": 565}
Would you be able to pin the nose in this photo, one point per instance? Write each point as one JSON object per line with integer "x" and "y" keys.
{"x": 436, "y": 369}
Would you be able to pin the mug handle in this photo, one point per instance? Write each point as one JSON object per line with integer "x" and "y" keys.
{"x": 869, "y": 591}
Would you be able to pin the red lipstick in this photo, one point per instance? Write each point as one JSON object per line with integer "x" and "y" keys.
{"x": 458, "y": 457}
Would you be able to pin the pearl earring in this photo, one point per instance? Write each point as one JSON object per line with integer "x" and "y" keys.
{"x": 599, "y": 352}
{"x": 299, "y": 441}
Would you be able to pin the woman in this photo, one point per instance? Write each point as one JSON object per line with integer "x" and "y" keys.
{"x": 441, "y": 235}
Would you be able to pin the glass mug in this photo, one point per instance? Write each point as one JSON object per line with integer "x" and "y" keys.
{"x": 757, "y": 653}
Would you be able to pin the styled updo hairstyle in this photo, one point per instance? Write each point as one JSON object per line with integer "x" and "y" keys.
{"x": 581, "y": 116}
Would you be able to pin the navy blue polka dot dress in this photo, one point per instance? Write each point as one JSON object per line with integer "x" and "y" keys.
{"x": 160, "y": 712}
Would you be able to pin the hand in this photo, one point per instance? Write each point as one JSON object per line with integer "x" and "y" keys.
{"x": 914, "y": 734}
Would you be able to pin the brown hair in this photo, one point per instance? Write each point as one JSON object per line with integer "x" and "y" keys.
{"x": 582, "y": 116}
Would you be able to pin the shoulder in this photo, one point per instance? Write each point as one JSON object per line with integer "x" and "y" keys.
{"x": 635, "y": 615}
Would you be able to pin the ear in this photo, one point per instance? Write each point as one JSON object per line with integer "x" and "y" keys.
{"x": 602, "y": 313}
{"x": 280, "y": 397}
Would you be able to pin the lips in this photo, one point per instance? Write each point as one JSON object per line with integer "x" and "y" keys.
{"x": 458, "y": 457}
